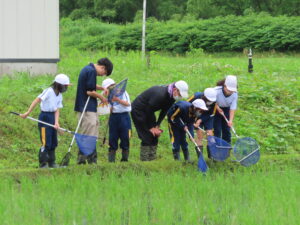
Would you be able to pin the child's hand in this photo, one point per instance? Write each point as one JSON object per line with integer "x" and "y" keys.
{"x": 56, "y": 126}
{"x": 115, "y": 99}
{"x": 24, "y": 115}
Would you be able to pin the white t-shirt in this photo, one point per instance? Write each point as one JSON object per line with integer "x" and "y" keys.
{"x": 50, "y": 101}
{"x": 119, "y": 108}
{"x": 223, "y": 101}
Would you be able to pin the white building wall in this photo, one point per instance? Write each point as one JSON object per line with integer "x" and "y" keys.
{"x": 29, "y": 33}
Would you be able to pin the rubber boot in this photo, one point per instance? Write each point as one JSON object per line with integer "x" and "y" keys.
{"x": 125, "y": 154}
{"x": 111, "y": 156}
{"x": 186, "y": 154}
{"x": 92, "y": 158}
{"x": 152, "y": 154}
{"x": 208, "y": 152}
{"x": 51, "y": 159}
{"x": 198, "y": 153}
{"x": 43, "y": 158}
{"x": 81, "y": 159}
{"x": 144, "y": 152}
{"x": 176, "y": 154}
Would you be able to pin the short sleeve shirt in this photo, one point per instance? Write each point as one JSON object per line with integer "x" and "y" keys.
{"x": 229, "y": 101}
{"x": 50, "y": 102}
{"x": 87, "y": 81}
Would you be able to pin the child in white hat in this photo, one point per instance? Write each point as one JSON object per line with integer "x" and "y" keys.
{"x": 227, "y": 98}
{"x": 50, "y": 102}
{"x": 119, "y": 123}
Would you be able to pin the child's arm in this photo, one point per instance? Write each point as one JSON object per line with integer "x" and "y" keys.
{"x": 122, "y": 102}
{"x": 31, "y": 107}
{"x": 56, "y": 125}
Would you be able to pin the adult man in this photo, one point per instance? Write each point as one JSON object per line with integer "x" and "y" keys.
{"x": 87, "y": 86}
{"x": 143, "y": 114}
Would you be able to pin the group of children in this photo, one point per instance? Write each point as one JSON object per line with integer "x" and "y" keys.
{"x": 203, "y": 109}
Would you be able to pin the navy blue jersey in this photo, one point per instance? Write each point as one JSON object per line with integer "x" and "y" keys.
{"x": 87, "y": 81}
{"x": 181, "y": 110}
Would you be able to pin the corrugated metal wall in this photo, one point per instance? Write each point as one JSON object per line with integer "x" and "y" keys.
{"x": 29, "y": 29}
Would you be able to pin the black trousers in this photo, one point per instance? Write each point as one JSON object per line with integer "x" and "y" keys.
{"x": 139, "y": 119}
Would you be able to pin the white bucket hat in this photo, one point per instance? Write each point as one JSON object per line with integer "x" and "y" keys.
{"x": 183, "y": 88}
{"x": 200, "y": 104}
{"x": 62, "y": 79}
{"x": 231, "y": 83}
{"x": 210, "y": 94}
{"x": 107, "y": 82}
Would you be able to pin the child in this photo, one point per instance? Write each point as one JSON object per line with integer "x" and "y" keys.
{"x": 209, "y": 96}
{"x": 227, "y": 98}
{"x": 51, "y": 102}
{"x": 119, "y": 123}
{"x": 181, "y": 117}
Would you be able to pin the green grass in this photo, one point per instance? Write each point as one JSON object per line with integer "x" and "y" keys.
{"x": 162, "y": 191}
{"x": 136, "y": 197}
{"x": 268, "y": 107}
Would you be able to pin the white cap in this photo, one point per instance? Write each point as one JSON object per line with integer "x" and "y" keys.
{"x": 200, "y": 104}
{"x": 210, "y": 94}
{"x": 183, "y": 88}
{"x": 62, "y": 79}
{"x": 231, "y": 83}
{"x": 107, "y": 82}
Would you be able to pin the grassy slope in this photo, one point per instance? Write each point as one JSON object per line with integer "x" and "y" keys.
{"x": 268, "y": 105}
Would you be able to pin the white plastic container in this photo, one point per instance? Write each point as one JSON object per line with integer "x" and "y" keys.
{"x": 103, "y": 109}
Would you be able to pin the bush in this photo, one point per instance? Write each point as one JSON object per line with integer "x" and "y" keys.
{"x": 232, "y": 33}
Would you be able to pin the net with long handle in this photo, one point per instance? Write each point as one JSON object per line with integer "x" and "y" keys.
{"x": 219, "y": 149}
{"x": 246, "y": 151}
{"x": 117, "y": 90}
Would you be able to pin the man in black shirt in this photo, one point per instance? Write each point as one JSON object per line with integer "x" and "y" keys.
{"x": 143, "y": 114}
{"x": 87, "y": 86}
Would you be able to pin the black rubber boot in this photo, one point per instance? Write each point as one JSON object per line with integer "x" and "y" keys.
{"x": 92, "y": 158}
{"x": 197, "y": 151}
{"x": 125, "y": 154}
{"x": 176, "y": 154}
{"x": 111, "y": 156}
{"x": 186, "y": 154}
{"x": 208, "y": 152}
{"x": 43, "y": 158}
{"x": 81, "y": 159}
{"x": 51, "y": 159}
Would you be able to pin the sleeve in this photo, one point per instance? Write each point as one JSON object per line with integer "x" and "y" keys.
{"x": 175, "y": 117}
{"x": 44, "y": 95}
{"x": 233, "y": 105}
{"x": 127, "y": 97}
{"x": 59, "y": 103}
{"x": 91, "y": 81}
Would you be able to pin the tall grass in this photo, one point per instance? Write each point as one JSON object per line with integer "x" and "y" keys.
{"x": 131, "y": 197}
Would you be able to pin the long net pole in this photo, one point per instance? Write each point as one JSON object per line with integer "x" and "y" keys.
{"x": 144, "y": 30}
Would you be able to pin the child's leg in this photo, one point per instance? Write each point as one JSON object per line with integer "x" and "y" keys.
{"x": 113, "y": 137}
{"x": 226, "y": 135}
{"x": 184, "y": 143}
{"x": 125, "y": 130}
{"x": 48, "y": 136}
{"x": 175, "y": 139}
